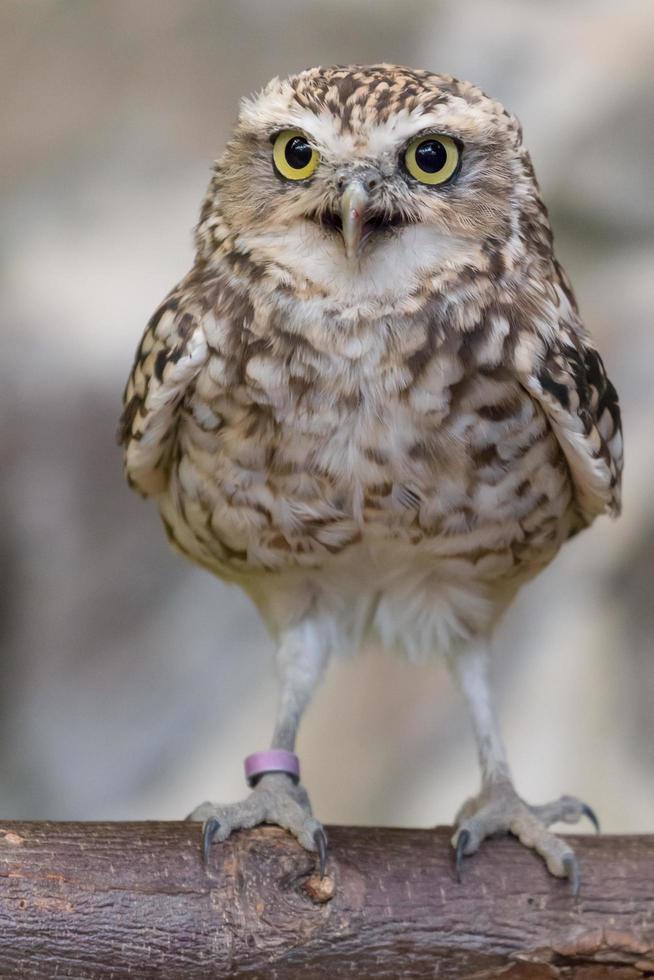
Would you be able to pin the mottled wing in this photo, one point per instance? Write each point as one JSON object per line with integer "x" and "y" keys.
{"x": 565, "y": 374}
{"x": 168, "y": 359}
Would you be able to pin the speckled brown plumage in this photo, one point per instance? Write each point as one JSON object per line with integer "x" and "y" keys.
{"x": 400, "y": 441}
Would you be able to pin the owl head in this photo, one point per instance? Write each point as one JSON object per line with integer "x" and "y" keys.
{"x": 345, "y": 170}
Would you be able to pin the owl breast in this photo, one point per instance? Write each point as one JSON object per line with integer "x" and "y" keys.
{"x": 305, "y": 460}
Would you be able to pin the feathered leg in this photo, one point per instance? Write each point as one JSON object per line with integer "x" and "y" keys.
{"x": 498, "y": 807}
{"x": 277, "y": 798}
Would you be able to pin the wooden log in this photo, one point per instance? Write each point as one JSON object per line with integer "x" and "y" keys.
{"x": 98, "y": 901}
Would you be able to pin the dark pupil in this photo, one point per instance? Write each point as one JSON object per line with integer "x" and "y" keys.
{"x": 431, "y": 156}
{"x": 298, "y": 153}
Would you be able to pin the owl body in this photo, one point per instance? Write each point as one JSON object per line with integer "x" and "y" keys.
{"x": 366, "y": 459}
{"x": 373, "y": 406}
{"x": 401, "y": 439}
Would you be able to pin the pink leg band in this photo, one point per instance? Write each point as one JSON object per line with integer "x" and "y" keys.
{"x": 272, "y": 760}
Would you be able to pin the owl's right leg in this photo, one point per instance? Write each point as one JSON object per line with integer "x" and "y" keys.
{"x": 277, "y": 797}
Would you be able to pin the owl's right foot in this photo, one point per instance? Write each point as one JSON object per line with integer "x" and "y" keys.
{"x": 498, "y": 808}
{"x": 276, "y": 799}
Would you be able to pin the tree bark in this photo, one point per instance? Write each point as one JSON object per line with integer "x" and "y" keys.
{"x": 99, "y": 901}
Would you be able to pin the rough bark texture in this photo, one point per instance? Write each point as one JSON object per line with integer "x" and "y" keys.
{"x": 134, "y": 900}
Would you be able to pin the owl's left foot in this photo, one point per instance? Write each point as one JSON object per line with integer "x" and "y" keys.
{"x": 276, "y": 799}
{"x": 498, "y": 808}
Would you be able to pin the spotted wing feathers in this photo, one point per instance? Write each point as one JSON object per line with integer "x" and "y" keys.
{"x": 568, "y": 379}
{"x": 169, "y": 357}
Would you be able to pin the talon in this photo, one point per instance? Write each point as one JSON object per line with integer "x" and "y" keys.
{"x": 571, "y": 866}
{"x": 209, "y": 830}
{"x": 461, "y": 844}
{"x": 592, "y": 816}
{"x": 320, "y": 840}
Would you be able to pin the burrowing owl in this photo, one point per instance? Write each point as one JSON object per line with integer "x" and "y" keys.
{"x": 371, "y": 403}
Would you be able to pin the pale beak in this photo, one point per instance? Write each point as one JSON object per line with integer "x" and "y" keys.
{"x": 354, "y": 202}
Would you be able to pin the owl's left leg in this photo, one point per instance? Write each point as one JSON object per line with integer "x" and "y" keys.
{"x": 278, "y": 797}
{"x": 497, "y": 807}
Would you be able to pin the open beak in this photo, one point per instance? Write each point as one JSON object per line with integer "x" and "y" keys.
{"x": 354, "y": 202}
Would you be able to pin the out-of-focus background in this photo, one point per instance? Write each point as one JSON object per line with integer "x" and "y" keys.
{"x": 133, "y": 683}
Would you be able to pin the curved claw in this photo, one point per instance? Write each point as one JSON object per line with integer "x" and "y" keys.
{"x": 209, "y": 830}
{"x": 461, "y": 844}
{"x": 592, "y": 816}
{"x": 320, "y": 840}
{"x": 571, "y": 866}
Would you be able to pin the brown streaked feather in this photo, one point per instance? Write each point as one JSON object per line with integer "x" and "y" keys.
{"x": 568, "y": 379}
{"x": 170, "y": 354}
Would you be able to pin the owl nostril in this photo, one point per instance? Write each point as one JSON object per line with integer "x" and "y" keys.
{"x": 369, "y": 181}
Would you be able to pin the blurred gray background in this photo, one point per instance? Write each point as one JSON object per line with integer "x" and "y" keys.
{"x": 133, "y": 683}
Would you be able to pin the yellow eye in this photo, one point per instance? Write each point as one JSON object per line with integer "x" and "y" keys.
{"x": 432, "y": 159}
{"x": 293, "y": 156}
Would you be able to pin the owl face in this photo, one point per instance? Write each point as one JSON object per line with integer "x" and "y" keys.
{"x": 352, "y": 168}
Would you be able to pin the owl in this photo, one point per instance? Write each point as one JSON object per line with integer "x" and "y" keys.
{"x": 372, "y": 405}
